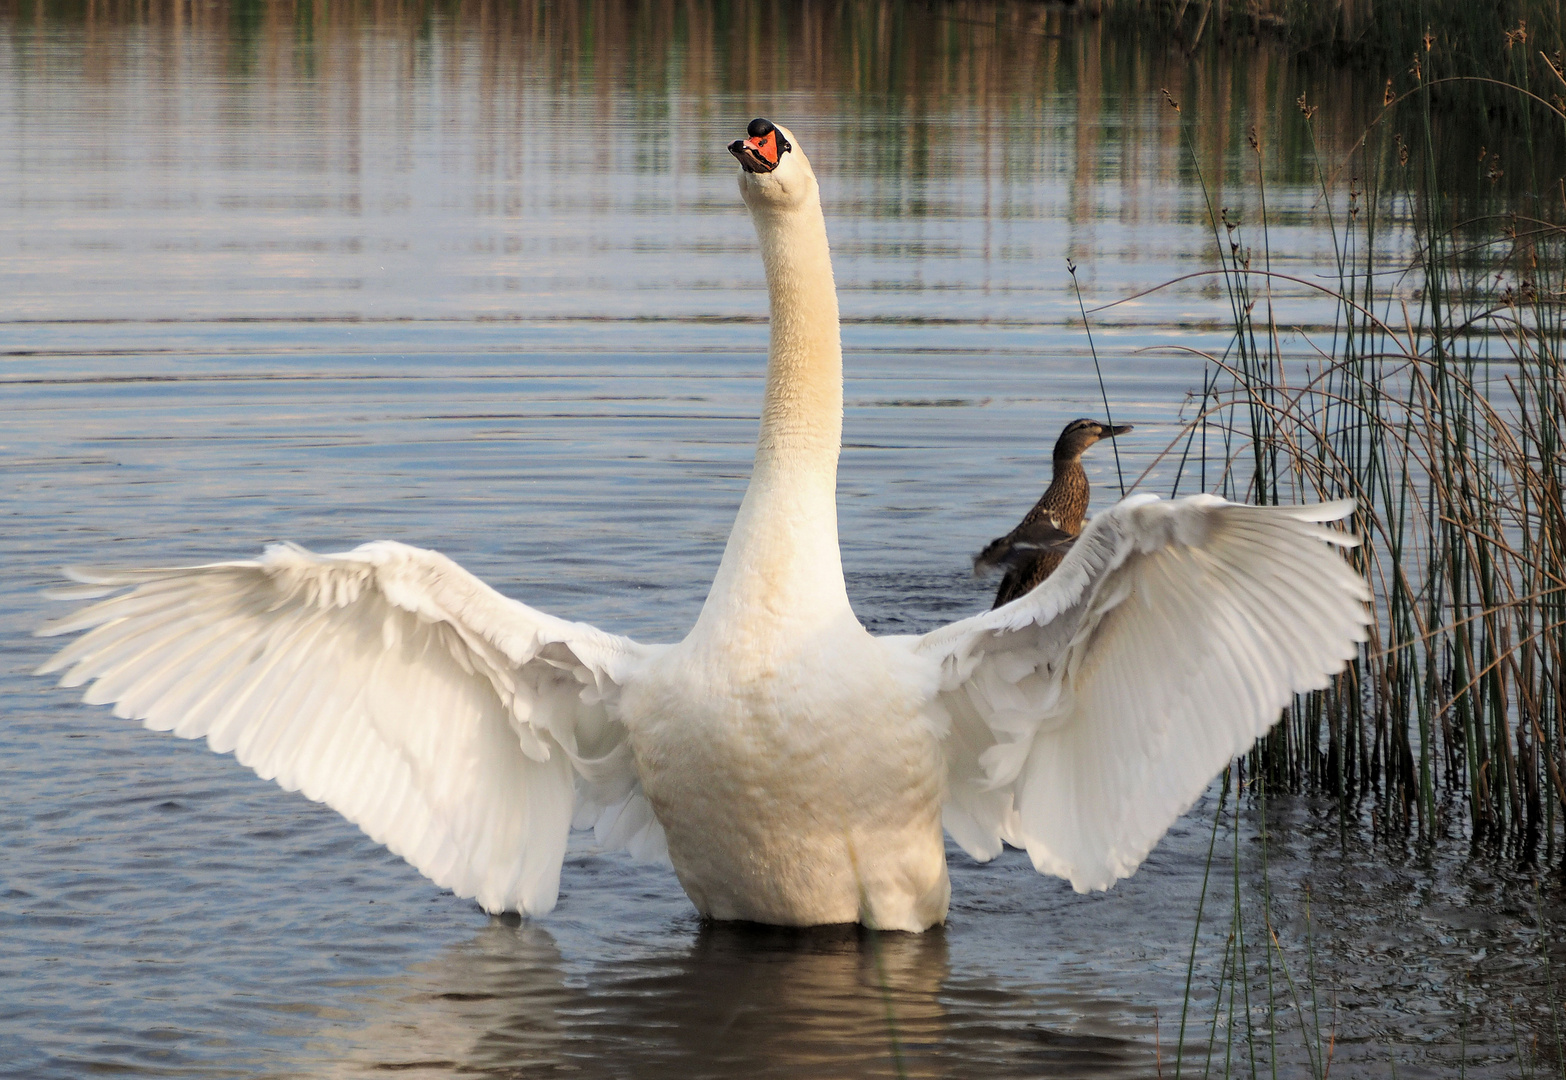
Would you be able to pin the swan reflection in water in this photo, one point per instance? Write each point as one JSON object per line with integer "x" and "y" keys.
{"x": 742, "y": 1000}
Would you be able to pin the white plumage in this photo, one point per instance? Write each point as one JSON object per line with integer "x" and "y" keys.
{"x": 793, "y": 768}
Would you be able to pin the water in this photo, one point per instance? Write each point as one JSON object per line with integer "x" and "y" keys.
{"x": 478, "y": 279}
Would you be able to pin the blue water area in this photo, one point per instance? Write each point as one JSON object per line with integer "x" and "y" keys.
{"x": 486, "y": 287}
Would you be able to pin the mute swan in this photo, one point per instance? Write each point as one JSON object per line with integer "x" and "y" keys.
{"x": 793, "y": 768}
{"x": 1031, "y": 552}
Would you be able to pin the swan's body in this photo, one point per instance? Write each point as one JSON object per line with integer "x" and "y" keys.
{"x": 793, "y": 768}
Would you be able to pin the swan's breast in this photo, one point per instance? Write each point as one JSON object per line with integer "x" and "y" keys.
{"x": 794, "y": 776}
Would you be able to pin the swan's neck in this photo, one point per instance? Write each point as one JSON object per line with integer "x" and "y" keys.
{"x": 781, "y": 567}
{"x": 802, "y": 413}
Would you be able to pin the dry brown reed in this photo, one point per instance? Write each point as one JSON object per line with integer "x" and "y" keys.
{"x": 1437, "y": 402}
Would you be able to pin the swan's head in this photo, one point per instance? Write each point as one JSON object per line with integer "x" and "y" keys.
{"x": 774, "y": 172}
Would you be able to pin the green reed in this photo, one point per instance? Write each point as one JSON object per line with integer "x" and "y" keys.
{"x": 1436, "y": 401}
{"x": 1265, "y": 1019}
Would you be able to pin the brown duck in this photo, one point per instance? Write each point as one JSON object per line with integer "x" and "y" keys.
{"x": 1031, "y": 551}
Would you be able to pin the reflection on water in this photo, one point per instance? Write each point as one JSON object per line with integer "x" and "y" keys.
{"x": 545, "y": 160}
{"x": 497, "y": 1002}
{"x": 740, "y": 1000}
{"x": 475, "y": 276}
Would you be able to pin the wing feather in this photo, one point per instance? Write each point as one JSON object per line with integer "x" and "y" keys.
{"x": 457, "y": 727}
{"x": 1088, "y": 715}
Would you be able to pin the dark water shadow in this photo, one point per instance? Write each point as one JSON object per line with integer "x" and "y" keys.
{"x": 740, "y": 1000}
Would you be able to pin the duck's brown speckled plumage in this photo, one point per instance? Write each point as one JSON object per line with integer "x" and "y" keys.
{"x": 1033, "y": 550}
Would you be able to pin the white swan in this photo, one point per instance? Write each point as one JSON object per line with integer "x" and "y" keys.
{"x": 793, "y": 768}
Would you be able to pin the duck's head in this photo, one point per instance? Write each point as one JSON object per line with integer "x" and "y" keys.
{"x": 774, "y": 172}
{"x": 1081, "y": 434}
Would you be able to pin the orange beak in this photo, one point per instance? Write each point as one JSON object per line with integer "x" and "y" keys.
{"x": 760, "y": 152}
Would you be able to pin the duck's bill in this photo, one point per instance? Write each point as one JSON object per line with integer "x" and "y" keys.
{"x": 1111, "y": 432}
{"x": 760, "y": 152}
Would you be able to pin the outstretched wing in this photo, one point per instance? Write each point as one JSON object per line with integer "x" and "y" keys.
{"x": 456, "y": 726}
{"x": 1086, "y": 716}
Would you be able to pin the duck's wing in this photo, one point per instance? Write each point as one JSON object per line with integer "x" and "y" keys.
{"x": 1024, "y": 544}
{"x": 1028, "y": 554}
{"x": 456, "y": 726}
{"x": 1087, "y": 715}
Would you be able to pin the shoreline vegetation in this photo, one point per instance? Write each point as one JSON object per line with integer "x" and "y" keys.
{"x": 1347, "y": 31}
{"x": 1437, "y": 401}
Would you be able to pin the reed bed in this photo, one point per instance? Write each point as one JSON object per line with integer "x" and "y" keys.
{"x": 1435, "y": 399}
{"x": 1436, "y": 402}
{"x": 1362, "y": 30}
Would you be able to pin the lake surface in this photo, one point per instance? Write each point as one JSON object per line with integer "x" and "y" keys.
{"x": 477, "y": 278}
